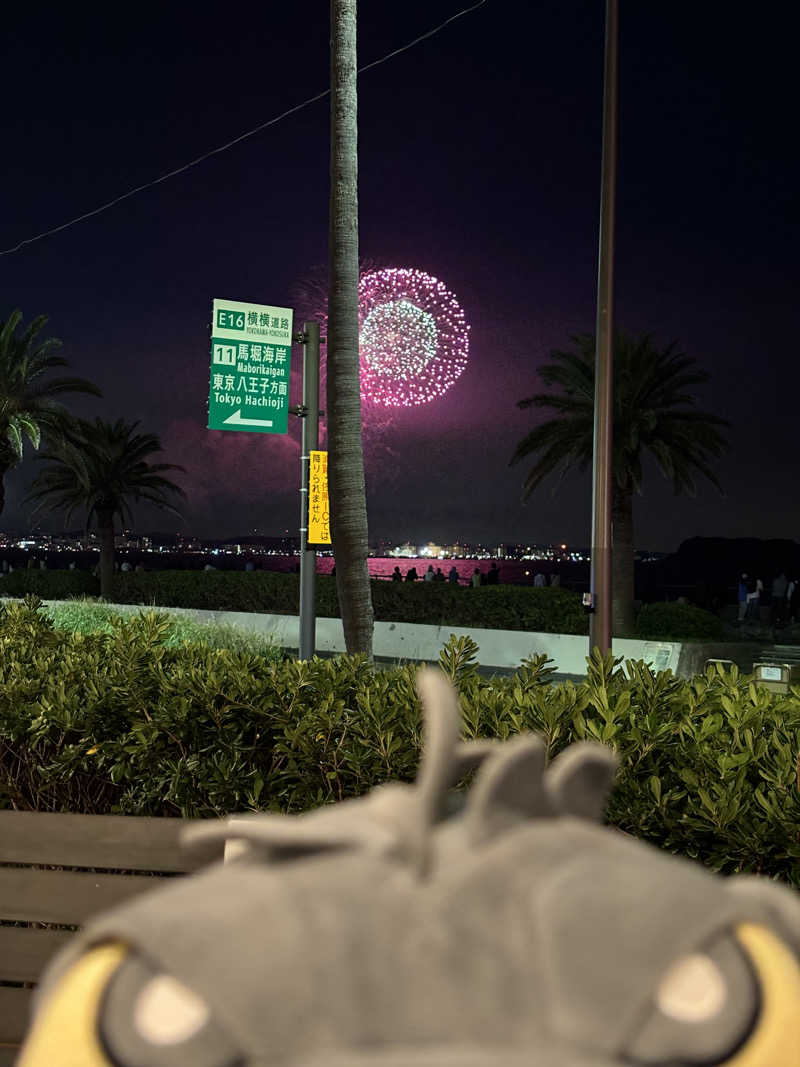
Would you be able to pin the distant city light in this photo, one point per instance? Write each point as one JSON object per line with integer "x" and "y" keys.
{"x": 189, "y": 545}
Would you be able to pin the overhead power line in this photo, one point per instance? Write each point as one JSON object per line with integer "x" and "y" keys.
{"x": 229, "y": 144}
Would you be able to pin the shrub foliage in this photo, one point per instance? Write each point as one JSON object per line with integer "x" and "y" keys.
{"x": 505, "y": 607}
{"x": 49, "y": 585}
{"x": 670, "y": 620}
{"x": 120, "y": 722}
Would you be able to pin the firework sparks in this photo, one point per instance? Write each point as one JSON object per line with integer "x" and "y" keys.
{"x": 414, "y": 340}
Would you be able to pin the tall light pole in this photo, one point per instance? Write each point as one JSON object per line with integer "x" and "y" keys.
{"x": 600, "y": 619}
{"x": 309, "y": 411}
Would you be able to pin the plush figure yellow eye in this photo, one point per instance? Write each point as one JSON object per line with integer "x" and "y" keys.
{"x": 775, "y": 1041}
{"x": 112, "y": 1009}
{"x": 736, "y": 1002}
{"x": 65, "y": 1031}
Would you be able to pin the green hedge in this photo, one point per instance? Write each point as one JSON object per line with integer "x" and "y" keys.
{"x": 499, "y": 607}
{"x": 678, "y": 622}
{"x": 119, "y": 722}
{"x": 505, "y": 607}
{"x": 49, "y": 585}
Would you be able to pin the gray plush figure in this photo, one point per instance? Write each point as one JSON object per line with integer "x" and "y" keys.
{"x": 396, "y": 931}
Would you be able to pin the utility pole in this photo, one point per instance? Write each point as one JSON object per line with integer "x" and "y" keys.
{"x": 309, "y": 441}
{"x": 600, "y": 619}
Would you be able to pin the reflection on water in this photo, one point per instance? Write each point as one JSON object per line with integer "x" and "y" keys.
{"x": 512, "y": 571}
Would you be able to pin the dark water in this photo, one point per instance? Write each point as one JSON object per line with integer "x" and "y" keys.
{"x": 512, "y": 571}
{"x": 652, "y": 582}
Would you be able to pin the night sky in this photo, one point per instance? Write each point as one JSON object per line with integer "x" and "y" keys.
{"x": 479, "y": 163}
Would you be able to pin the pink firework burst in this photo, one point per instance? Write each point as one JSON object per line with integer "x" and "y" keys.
{"x": 413, "y": 338}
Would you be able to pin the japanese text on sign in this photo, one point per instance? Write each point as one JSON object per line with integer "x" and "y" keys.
{"x": 319, "y": 520}
{"x": 250, "y": 363}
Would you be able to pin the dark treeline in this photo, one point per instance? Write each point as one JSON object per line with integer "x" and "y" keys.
{"x": 706, "y": 570}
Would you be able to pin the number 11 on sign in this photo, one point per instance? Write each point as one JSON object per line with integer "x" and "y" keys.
{"x": 251, "y": 347}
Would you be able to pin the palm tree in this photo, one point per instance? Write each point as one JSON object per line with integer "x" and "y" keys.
{"x": 653, "y": 413}
{"x": 28, "y": 405}
{"x": 343, "y": 401}
{"x": 101, "y": 468}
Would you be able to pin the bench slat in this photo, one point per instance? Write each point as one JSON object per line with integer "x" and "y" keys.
{"x": 129, "y": 842}
{"x": 68, "y": 897}
{"x": 25, "y": 951}
{"x": 14, "y": 1011}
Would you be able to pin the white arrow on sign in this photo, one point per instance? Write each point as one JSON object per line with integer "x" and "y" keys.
{"x": 237, "y": 419}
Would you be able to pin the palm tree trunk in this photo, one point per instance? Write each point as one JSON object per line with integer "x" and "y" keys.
{"x": 105, "y": 525}
{"x": 345, "y": 455}
{"x": 622, "y": 619}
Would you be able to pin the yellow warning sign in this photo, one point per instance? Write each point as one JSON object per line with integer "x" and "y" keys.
{"x": 319, "y": 519}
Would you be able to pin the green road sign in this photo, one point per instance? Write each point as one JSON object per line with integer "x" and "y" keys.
{"x": 251, "y": 351}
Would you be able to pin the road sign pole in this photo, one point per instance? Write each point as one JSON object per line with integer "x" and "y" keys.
{"x": 309, "y": 443}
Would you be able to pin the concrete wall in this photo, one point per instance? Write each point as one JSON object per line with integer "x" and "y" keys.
{"x": 417, "y": 642}
{"x": 694, "y": 655}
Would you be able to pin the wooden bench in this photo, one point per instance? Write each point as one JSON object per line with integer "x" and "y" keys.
{"x": 37, "y": 901}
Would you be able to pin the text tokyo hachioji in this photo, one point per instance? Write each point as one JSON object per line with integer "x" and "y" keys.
{"x": 250, "y": 365}
{"x": 261, "y": 378}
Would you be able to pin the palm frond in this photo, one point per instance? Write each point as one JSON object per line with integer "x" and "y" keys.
{"x": 654, "y": 411}
{"x": 58, "y": 386}
{"x": 14, "y": 436}
{"x": 28, "y": 404}
{"x": 100, "y": 467}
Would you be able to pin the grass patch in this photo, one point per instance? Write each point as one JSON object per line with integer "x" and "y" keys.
{"x": 87, "y": 616}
